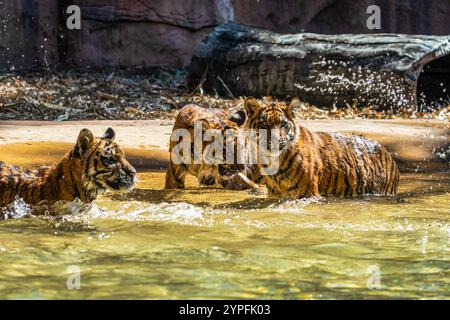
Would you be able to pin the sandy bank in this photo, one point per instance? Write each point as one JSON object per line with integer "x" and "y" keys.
{"x": 415, "y": 144}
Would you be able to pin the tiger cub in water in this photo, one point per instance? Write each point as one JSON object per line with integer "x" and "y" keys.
{"x": 89, "y": 168}
{"x": 231, "y": 176}
{"x": 315, "y": 164}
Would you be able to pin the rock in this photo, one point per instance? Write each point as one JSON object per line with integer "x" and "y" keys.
{"x": 148, "y": 32}
{"x": 132, "y": 44}
{"x": 28, "y": 34}
{"x": 189, "y": 14}
{"x": 428, "y": 17}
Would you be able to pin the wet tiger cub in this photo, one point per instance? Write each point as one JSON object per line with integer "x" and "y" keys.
{"x": 314, "y": 164}
{"x": 232, "y": 176}
{"x": 92, "y": 166}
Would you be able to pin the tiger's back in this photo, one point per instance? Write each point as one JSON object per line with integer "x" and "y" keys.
{"x": 334, "y": 165}
{"x": 357, "y": 166}
{"x": 18, "y": 181}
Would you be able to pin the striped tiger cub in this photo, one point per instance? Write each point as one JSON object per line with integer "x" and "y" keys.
{"x": 231, "y": 176}
{"x": 321, "y": 164}
{"x": 90, "y": 167}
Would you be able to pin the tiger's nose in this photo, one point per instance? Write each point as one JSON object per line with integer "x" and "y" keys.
{"x": 130, "y": 170}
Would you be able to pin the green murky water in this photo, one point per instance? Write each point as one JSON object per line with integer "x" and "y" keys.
{"x": 206, "y": 243}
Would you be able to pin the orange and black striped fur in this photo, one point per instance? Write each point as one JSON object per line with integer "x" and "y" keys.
{"x": 321, "y": 164}
{"x": 229, "y": 176}
{"x": 92, "y": 166}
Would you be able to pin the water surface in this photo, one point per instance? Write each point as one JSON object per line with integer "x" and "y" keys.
{"x": 211, "y": 243}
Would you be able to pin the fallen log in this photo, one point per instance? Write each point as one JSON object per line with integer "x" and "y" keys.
{"x": 378, "y": 70}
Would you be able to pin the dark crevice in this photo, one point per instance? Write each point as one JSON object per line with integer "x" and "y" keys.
{"x": 433, "y": 85}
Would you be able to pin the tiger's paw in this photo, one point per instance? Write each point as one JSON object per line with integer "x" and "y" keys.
{"x": 238, "y": 181}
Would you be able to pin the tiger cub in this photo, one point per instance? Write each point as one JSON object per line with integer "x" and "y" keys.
{"x": 90, "y": 167}
{"x": 232, "y": 176}
{"x": 321, "y": 164}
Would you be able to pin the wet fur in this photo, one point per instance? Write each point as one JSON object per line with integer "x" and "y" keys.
{"x": 322, "y": 164}
{"x": 235, "y": 177}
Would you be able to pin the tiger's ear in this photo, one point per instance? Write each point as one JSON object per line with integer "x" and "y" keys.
{"x": 250, "y": 106}
{"x": 292, "y": 107}
{"x": 205, "y": 124}
{"x": 85, "y": 139}
{"x": 109, "y": 134}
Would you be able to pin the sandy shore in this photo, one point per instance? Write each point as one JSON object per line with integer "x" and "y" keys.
{"x": 413, "y": 143}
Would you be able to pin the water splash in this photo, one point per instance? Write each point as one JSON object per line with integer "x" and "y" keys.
{"x": 359, "y": 144}
{"x": 443, "y": 153}
{"x": 293, "y": 206}
{"x": 339, "y": 78}
{"x": 16, "y": 209}
{"x": 181, "y": 212}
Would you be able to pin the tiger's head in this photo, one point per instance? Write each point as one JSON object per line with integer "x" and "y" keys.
{"x": 103, "y": 163}
{"x": 273, "y": 115}
{"x": 227, "y": 127}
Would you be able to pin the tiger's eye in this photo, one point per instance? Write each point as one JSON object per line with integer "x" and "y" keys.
{"x": 109, "y": 161}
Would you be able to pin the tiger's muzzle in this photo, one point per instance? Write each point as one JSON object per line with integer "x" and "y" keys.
{"x": 125, "y": 179}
